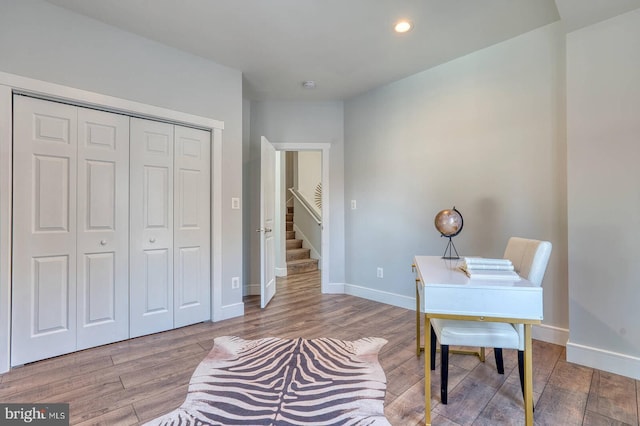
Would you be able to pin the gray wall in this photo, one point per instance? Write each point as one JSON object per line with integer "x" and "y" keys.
{"x": 297, "y": 122}
{"x": 485, "y": 133}
{"x": 603, "y": 128}
{"x": 45, "y": 42}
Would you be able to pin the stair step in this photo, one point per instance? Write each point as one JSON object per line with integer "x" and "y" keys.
{"x": 291, "y": 235}
{"x": 298, "y": 253}
{"x": 289, "y": 217}
{"x": 289, "y": 226}
{"x": 290, "y": 209}
{"x": 293, "y": 244}
{"x": 301, "y": 266}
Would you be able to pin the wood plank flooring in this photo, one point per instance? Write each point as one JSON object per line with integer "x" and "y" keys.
{"x": 131, "y": 382}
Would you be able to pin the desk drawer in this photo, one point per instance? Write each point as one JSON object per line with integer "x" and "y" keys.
{"x": 506, "y": 302}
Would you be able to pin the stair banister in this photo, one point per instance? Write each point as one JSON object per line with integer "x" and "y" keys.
{"x": 306, "y": 205}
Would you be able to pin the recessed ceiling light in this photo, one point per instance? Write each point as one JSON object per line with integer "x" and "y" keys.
{"x": 402, "y": 26}
{"x": 309, "y": 84}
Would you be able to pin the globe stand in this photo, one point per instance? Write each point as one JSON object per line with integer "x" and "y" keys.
{"x": 450, "y": 246}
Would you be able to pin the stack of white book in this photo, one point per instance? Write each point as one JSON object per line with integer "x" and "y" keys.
{"x": 489, "y": 269}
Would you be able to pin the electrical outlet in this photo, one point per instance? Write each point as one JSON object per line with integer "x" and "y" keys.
{"x": 235, "y": 203}
{"x": 353, "y": 204}
{"x": 380, "y": 273}
{"x": 235, "y": 282}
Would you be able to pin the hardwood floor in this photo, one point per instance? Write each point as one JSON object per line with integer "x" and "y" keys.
{"x": 130, "y": 382}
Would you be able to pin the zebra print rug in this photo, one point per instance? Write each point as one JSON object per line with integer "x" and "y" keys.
{"x": 276, "y": 381}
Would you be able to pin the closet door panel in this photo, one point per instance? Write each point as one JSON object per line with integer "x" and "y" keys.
{"x": 99, "y": 287}
{"x": 44, "y": 229}
{"x": 51, "y": 188}
{"x": 156, "y": 206}
{"x": 158, "y": 283}
{"x": 192, "y": 226}
{"x": 151, "y": 221}
{"x": 50, "y": 295}
{"x": 103, "y": 228}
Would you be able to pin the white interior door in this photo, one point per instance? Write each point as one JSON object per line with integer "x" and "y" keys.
{"x": 267, "y": 222}
{"x": 44, "y": 229}
{"x": 192, "y": 230}
{"x": 103, "y": 228}
{"x": 151, "y": 223}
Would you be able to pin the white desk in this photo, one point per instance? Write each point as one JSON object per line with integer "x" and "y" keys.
{"x": 444, "y": 291}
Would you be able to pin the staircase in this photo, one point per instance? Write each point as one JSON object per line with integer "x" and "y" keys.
{"x": 298, "y": 258}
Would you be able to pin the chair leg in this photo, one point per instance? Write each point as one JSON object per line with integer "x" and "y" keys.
{"x": 433, "y": 349}
{"x": 499, "y": 363}
{"x": 521, "y": 370}
{"x": 444, "y": 372}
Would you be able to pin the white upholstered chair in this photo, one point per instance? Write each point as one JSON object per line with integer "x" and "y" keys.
{"x": 530, "y": 259}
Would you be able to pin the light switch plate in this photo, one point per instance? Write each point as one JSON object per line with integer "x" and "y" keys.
{"x": 235, "y": 203}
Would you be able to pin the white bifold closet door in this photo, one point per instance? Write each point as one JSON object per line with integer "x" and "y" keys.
{"x": 170, "y": 226}
{"x": 103, "y": 228}
{"x": 70, "y": 229}
{"x": 192, "y": 226}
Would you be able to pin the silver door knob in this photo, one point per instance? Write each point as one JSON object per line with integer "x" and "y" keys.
{"x": 152, "y": 240}
{"x": 103, "y": 242}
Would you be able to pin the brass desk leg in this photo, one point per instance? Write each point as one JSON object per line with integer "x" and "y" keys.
{"x": 427, "y": 371}
{"x": 528, "y": 377}
{"x": 417, "y": 320}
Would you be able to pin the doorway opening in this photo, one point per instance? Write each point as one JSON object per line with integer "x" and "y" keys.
{"x": 300, "y": 204}
{"x": 302, "y": 182}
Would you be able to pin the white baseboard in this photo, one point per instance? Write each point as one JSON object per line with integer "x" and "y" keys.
{"x": 612, "y": 362}
{"x": 252, "y": 290}
{"x": 550, "y": 334}
{"x": 230, "y": 311}
{"x": 281, "y": 272}
{"x": 334, "y": 288}
{"x": 381, "y": 296}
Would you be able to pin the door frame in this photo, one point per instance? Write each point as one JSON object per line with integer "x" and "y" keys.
{"x": 325, "y": 232}
{"x": 11, "y": 84}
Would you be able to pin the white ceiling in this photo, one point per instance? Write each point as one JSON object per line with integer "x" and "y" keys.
{"x": 346, "y": 46}
{"x": 580, "y": 13}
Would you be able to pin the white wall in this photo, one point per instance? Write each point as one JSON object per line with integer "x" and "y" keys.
{"x": 484, "y": 133}
{"x": 603, "y": 129}
{"x": 298, "y": 122}
{"x": 309, "y": 175}
{"x": 45, "y": 42}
